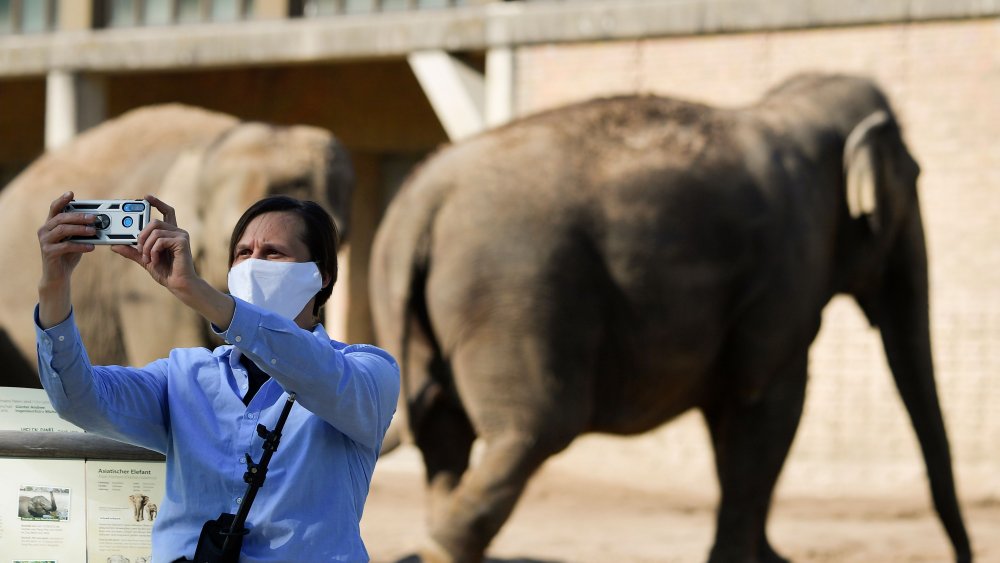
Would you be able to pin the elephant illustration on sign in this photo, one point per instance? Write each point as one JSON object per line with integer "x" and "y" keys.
{"x": 150, "y": 510}
{"x": 607, "y": 266}
{"x": 208, "y": 166}
{"x": 138, "y": 503}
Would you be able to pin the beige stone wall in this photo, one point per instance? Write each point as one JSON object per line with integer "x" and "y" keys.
{"x": 944, "y": 81}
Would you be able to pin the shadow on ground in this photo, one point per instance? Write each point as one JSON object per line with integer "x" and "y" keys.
{"x": 414, "y": 558}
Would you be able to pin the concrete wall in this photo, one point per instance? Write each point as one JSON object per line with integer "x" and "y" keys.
{"x": 944, "y": 81}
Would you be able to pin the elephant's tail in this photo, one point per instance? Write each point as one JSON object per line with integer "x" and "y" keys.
{"x": 401, "y": 257}
{"x": 419, "y": 350}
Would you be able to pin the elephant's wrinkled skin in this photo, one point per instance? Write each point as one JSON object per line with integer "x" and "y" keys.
{"x": 607, "y": 266}
{"x": 208, "y": 166}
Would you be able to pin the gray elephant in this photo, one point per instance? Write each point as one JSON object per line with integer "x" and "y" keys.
{"x": 607, "y": 266}
{"x": 208, "y": 166}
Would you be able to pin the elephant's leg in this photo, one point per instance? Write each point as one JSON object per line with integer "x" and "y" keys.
{"x": 440, "y": 427}
{"x": 485, "y": 498}
{"x": 445, "y": 439}
{"x": 751, "y": 441}
{"x": 525, "y": 407}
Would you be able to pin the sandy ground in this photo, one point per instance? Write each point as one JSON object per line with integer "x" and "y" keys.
{"x": 569, "y": 516}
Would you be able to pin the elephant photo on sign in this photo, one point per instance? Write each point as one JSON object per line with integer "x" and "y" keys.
{"x": 209, "y": 166}
{"x": 607, "y": 266}
{"x": 36, "y": 507}
{"x": 40, "y": 503}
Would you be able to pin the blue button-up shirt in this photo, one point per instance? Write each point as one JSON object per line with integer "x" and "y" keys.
{"x": 189, "y": 407}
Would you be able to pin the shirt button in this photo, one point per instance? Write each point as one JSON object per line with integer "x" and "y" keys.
{"x": 251, "y": 415}
{"x": 62, "y": 338}
{"x": 239, "y": 339}
{"x": 274, "y": 361}
{"x": 239, "y": 500}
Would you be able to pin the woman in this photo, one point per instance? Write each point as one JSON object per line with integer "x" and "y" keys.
{"x": 201, "y": 407}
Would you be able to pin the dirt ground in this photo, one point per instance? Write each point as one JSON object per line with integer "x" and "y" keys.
{"x": 567, "y": 516}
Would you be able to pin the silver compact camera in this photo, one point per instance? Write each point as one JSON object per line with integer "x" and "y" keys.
{"x": 118, "y": 221}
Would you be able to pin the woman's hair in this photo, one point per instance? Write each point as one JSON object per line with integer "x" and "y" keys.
{"x": 319, "y": 235}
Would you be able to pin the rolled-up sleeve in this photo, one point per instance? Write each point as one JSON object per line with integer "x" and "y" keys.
{"x": 354, "y": 388}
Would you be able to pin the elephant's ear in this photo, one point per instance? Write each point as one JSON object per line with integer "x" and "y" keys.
{"x": 861, "y": 167}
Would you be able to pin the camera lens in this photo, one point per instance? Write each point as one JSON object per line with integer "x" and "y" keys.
{"x": 127, "y": 222}
{"x": 101, "y": 222}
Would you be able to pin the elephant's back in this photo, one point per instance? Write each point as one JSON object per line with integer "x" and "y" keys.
{"x": 637, "y": 178}
{"x": 594, "y": 153}
{"x": 602, "y": 191}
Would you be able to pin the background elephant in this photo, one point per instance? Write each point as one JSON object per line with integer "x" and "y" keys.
{"x": 210, "y": 167}
{"x": 607, "y": 266}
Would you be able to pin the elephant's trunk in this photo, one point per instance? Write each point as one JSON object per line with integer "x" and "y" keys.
{"x": 901, "y": 313}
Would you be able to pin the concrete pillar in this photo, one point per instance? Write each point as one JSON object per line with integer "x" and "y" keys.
{"x": 338, "y": 306}
{"x": 464, "y": 100}
{"x": 75, "y": 15}
{"x": 454, "y": 90}
{"x": 60, "y": 108}
{"x": 499, "y": 86}
{"x": 349, "y": 317}
{"x": 270, "y": 9}
{"x": 73, "y": 103}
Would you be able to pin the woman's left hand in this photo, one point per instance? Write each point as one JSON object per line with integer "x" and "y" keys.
{"x": 164, "y": 250}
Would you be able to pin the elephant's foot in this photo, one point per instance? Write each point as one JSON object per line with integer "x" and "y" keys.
{"x": 434, "y": 552}
{"x": 769, "y": 555}
{"x": 765, "y": 554}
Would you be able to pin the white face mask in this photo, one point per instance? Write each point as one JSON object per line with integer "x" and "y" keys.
{"x": 283, "y": 288}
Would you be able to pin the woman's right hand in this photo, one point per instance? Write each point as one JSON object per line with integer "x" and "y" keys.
{"x": 60, "y": 257}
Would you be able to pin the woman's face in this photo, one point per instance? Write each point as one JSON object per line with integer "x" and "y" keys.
{"x": 276, "y": 235}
